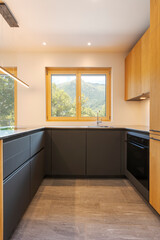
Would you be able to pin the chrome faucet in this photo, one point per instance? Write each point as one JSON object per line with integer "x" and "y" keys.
{"x": 98, "y": 119}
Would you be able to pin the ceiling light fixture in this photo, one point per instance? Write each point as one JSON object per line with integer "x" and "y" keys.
{"x": 142, "y": 98}
{"x": 7, "y": 15}
{"x": 89, "y": 43}
{"x": 13, "y": 77}
{"x": 44, "y": 43}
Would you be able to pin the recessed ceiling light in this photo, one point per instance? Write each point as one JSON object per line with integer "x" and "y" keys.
{"x": 142, "y": 98}
{"x": 89, "y": 43}
{"x": 44, "y": 43}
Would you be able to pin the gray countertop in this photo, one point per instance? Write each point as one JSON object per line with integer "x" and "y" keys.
{"x": 13, "y": 132}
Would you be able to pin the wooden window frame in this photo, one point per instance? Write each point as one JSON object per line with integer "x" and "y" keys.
{"x": 13, "y": 70}
{"x": 77, "y": 72}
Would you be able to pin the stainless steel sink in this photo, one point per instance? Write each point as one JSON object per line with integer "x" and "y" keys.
{"x": 100, "y": 126}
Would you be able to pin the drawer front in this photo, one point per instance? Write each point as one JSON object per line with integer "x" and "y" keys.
{"x": 16, "y": 198}
{"x": 37, "y": 142}
{"x": 16, "y": 152}
{"x": 37, "y": 172}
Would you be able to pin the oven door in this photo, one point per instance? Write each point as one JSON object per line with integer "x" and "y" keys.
{"x": 138, "y": 162}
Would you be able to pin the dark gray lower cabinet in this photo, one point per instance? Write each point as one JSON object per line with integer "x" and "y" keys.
{"x": 68, "y": 152}
{"x": 103, "y": 152}
{"x": 48, "y": 152}
{"x": 16, "y": 198}
{"x": 37, "y": 142}
{"x": 37, "y": 171}
{"x": 15, "y": 153}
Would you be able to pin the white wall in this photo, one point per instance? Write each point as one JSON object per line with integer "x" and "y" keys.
{"x": 32, "y": 102}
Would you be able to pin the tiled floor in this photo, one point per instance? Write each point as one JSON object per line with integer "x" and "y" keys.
{"x": 89, "y": 210}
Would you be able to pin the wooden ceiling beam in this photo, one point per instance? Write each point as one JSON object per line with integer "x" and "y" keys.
{"x": 7, "y": 15}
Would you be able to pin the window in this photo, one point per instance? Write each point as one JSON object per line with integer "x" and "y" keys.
{"x": 77, "y": 94}
{"x": 8, "y": 99}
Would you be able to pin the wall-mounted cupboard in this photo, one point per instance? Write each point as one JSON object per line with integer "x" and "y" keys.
{"x": 137, "y": 69}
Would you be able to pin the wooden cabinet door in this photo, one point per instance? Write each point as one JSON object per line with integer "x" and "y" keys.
{"x": 133, "y": 73}
{"x": 155, "y": 81}
{"x": 128, "y": 83}
{"x": 154, "y": 13}
{"x": 145, "y": 62}
{"x": 154, "y": 191}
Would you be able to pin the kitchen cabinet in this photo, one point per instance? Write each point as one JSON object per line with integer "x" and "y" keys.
{"x": 48, "y": 152}
{"x": 37, "y": 172}
{"x": 16, "y": 197}
{"x": 155, "y": 81}
{"x": 137, "y": 69}
{"x": 128, "y": 76}
{"x": 145, "y": 62}
{"x": 133, "y": 73}
{"x": 154, "y": 191}
{"x": 15, "y": 153}
{"x": 103, "y": 153}
{"x": 37, "y": 142}
{"x": 68, "y": 152}
{"x": 22, "y": 176}
{"x": 154, "y": 14}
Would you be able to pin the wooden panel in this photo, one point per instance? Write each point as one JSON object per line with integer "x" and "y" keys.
{"x": 133, "y": 73}
{"x": 1, "y": 189}
{"x": 154, "y": 193}
{"x": 145, "y": 62}
{"x": 128, "y": 64}
{"x": 155, "y": 81}
{"x": 154, "y": 13}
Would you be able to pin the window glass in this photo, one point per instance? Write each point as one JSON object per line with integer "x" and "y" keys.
{"x": 7, "y": 108}
{"x": 93, "y": 95}
{"x": 63, "y": 95}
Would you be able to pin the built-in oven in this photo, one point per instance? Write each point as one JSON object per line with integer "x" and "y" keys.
{"x": 138, "y": 157}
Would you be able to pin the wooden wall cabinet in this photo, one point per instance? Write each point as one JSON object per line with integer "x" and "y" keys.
{"x": 133, "y": 73}
{"x": 137, "y": 69}
{"x": 154, "y": 14}
{"x": 145, "y": 62}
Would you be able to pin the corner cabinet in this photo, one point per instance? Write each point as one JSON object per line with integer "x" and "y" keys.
{"x": 137, "y": 69}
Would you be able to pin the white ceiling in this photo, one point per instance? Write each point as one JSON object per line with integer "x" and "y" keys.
{"x": 68, "y": 25}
